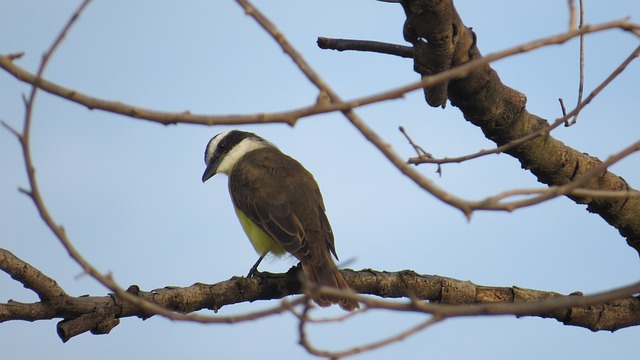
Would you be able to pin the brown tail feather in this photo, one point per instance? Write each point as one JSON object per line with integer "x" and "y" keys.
{"x": 329, "y": 275}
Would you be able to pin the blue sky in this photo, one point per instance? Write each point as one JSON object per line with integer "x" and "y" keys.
{"x": 130, "y": 197}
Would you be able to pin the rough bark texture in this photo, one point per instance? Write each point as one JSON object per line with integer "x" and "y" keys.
{"x": 501, "y": 113}
{"x": 100, "y": 314}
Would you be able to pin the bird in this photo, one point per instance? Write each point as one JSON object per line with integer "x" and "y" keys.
{"x": 280, "y": 207}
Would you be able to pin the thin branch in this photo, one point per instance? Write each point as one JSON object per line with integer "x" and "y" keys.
{"x": 165, "y": 118}
{"x": 291, "y": 117}
{"x": 572, "y": 15}
{"x": 288, "y": 49}
{"x": 60, "y": 234}
{"x": 422, "y": 153}
{"x": 9, "y": 128}
{"x": 419, "y": 150}
{"x": 562, "y": 107}
{"x": 45, "y": 287}
{"x": 520, "y": 302}
{"x": 364, "y": 45}
{"x": 581, "y": 84}
{"x": 34, "y": 193}
{"x": 555, "y": 191}
{"x": 355, "y": 350}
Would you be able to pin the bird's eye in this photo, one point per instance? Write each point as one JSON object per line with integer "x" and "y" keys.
{"x": 222, "y": 146}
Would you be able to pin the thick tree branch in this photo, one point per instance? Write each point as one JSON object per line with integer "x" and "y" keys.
{"x": 501, "y": 114}
{"x": 99, "y": 314}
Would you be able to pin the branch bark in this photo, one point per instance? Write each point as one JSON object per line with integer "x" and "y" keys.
{"x": 500, "y": 112}
{"x": 100, "y": 314}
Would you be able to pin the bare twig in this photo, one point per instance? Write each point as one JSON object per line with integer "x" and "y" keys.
{"x": 581, "y": 85}
{"x": 364, "y": 45}
{"x": 517, "y": 307}
{"x": 562, "y": 107}
{"x": 304, "y": 341}
{"x": 572, "y": 15}
{"x": 15, "y": 56}
{"x": 13, "y": 131}
{"x": 34, "y": 192}
{"x": 422, "y": 154}
{"x": 419, "y": 150}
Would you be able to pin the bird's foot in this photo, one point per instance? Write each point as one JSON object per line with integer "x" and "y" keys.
{"x": 254, "y": 269}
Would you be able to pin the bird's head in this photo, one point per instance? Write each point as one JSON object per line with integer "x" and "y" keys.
{"x": 225, "y": 149}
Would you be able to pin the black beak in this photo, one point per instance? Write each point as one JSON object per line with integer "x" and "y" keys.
{"x": 211, "y": 169}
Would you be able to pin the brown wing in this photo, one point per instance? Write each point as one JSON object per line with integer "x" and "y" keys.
{"x": 283, "y": 199}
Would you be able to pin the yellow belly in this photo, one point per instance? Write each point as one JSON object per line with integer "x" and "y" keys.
{"x": 260, "y": 240}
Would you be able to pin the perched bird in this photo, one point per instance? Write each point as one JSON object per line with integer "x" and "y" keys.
{"x": 279, "y": 205}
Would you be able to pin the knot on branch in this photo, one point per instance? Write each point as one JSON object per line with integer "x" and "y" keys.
{"x": 433, "y": 27}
